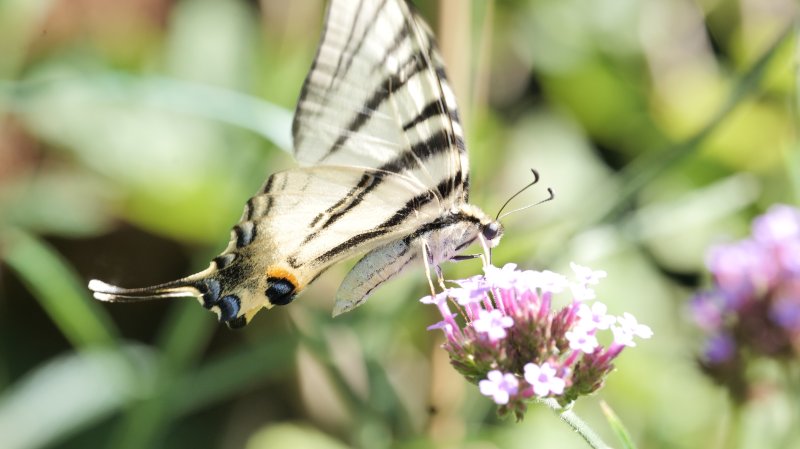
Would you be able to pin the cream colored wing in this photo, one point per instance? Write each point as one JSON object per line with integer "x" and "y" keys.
{"x": 376, "y": 130}
{"x": 377, "y": 96}
{"x": 299, "y": 224}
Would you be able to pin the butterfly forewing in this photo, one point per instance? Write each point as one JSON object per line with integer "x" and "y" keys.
{"x": 377, "y": 96}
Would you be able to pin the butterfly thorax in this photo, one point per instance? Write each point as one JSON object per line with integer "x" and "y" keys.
{"x": 458, "y": 229}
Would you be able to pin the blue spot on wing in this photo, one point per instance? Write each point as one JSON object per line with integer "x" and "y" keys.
{"x": 229, "y": 307}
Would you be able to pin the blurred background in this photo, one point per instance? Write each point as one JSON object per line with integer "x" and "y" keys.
{"x": 132, "y": 133}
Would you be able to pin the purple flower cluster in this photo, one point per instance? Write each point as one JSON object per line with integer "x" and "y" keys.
{"x": 754, "y": 305}
{"x": 504, "y": 333}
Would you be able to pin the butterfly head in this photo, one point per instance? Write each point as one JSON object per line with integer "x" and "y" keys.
{"x": 478, "y": 226}
{"x": 492, "y": 232}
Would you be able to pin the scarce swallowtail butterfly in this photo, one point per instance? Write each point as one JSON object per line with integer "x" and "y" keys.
{"x": 383, "y": 173}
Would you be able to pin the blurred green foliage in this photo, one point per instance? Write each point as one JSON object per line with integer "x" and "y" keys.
{"x": 132, "y": 133}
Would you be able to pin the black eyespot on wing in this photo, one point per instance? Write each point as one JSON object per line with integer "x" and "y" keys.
{"x": 491, "y": 231}
{"x": 229, "y": 307}
{"x": 237, "y": 323}
{"x": 280, "y": 291}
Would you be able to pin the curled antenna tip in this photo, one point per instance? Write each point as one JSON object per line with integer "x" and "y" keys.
{"x": 535, "y": 180}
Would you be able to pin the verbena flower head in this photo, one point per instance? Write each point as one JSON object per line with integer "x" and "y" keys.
{"x": 753, "y": 307}
{"x": 504, "y": 333}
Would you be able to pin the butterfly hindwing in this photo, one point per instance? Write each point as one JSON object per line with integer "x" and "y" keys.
{"x": 306, "y": 219}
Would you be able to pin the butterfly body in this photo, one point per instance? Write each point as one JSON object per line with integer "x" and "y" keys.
{"x": 384, "y": 175}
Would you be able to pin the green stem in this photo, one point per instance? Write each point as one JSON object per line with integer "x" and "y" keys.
{"x": 577, "y": 424}
{"x": 792, "y": 381}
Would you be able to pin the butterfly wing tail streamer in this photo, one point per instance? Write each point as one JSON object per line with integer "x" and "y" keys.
{"x": 111, "y": 293}
{"x": 190, "y": 286}
{"x": 207, "y": 286}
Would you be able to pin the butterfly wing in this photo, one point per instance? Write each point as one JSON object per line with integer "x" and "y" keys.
{"x": 300, "y": 223}
{"x": 377, "y": 96}
{"x": 376, "y": 132}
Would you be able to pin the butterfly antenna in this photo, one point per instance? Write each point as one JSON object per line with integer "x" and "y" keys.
{"x": 551, "y": 196}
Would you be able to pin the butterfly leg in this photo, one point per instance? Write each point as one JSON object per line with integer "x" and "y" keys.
{"x": 439, "y": 276}
{"x": 462, "y": 257}
{"x": 486, "y": 257}
{"x": 426, "y": 258}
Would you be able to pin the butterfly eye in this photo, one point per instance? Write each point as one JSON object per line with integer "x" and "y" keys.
{"x": 491, "y": 231}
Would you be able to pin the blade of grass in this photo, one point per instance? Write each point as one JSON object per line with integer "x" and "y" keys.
{"x": 643, "y": 170}
{"x": 60, "y": 292}
{"x": 617, "y": 426}
{"x": 268, "y": 120}
{"x": 224, "y": 376}
{"x": 71, "y": 392}
{"x": 185, "y": 334}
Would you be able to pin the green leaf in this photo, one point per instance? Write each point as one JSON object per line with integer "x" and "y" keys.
{"x": 57, "y": 202}
{"x": 617, "y": 426}
{"x": 292, "y": 435}
{"x": 184, "y": 336}
{"x": 235, "y": 371}
{"x": 62, "y": 295}
{"x": 19, "y": 21}
{"x": 71, "y": 392}
{"x": 646, "y": 168}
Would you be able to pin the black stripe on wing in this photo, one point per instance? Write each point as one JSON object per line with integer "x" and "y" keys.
{"x": 444, "y": 189}
{"x": 245, "y": 233}
{"x": 372, "y": 21}
{"x": 401, "y": 35}
{"x": 344, "y": 53}
{"x": 368, "y": 182}
{"x": 437, "y": 143}
{"x": 439, "y": 223}
{"x": 415, "y": 64}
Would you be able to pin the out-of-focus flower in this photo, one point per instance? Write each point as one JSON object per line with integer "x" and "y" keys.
{"x": 505, "y": 334}
{"x": 493, "y": 323}
{"x": 543, "y": 379}
{"x": 582, "y": 339}
{"x": 753, "y": 308}
{"x": 595, "y": 317}
{"x": 499, "y": 386}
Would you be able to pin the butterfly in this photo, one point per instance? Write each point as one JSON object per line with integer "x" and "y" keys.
{"x": 383, "y": 173}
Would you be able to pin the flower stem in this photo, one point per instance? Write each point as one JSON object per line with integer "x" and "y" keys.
{"x": 577, "y": 424}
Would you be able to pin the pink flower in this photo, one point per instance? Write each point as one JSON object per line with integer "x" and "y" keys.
{"x": 499, "y": 386}
{"x": 586, "y": 275}
{"x": 543, "y": 379}
{"x": 581, "y": 339}
{"x": 493, "y": 323}
{"x": 595, "y": 317}
{"x": 509, "y": 335}
{"x": 627, "y": 327}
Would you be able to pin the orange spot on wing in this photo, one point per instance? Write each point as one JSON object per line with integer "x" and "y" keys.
{"x": 282, "y": 273}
